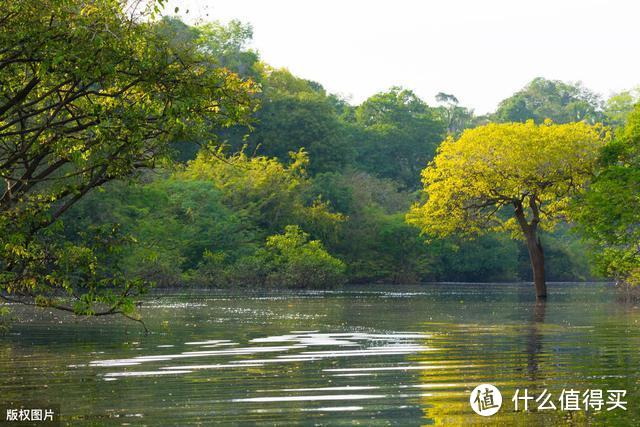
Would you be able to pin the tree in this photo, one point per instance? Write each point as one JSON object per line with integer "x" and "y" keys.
{"x": 90, "y": 92}
{"x": 296, "y": 262}
{"x": 455, "y": 117}
{"x": 266, "y": 193}
{"x": 173, "y": 222}
{"x": 609, "y": 213}
{"x": 545, "y": 99}
{"x": 228, "y": 44}
{"x": 396, "y": 134}
{"x": 207, "y": 224}
{"x": 516, "y": 176}
{"x": 620, "y": 105}
{"x": 294, "y": 114}
{"x": 374, "y": 241}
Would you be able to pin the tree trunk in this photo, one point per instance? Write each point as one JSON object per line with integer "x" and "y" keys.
{"x": 530, "y": 231}
{"x": 536, "y": 255}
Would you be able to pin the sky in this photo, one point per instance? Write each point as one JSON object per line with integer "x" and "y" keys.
{"x": 482, "y": 51}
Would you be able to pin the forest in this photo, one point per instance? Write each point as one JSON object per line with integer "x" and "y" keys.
{"x": 157, "y": 153}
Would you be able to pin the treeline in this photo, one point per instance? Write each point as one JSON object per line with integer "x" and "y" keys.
{"x": 314, "y": 191}
{"x": 136, "y": 149}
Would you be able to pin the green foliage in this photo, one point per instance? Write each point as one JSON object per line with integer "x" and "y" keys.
{"x": 266, "y": 192}
{"x": 545, "y": 99}
{"x": 455, "y": 117}
{"x": 609, "y": 213}
{"x": 297, "y": 114}
{"x": 492, "y": 257}
{"x": 228, "y": 44}
{"x": 90, "y": 93}
{"x": 619, "y": 106}
{"x": 224, "y": 44}
{"x": 306, "y": 191}
{"x": 295, "y": 261}
{"x": 173, "y": 221}
{"x": 373, "y": 241}
{"x": 396, "y": 134}
{"x": 287, "y": 260}
{"x": 269, "y": 197}
{"x": 207, "y": 224}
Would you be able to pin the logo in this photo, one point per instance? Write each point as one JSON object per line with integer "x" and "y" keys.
{"x": 485, "y": 400}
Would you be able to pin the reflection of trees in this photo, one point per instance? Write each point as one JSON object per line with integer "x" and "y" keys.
{"x": 511, "y": 345}
{"x": 534, "y": 339}
{"x": 445, "y": 398}
{"x": 494, "y": 361}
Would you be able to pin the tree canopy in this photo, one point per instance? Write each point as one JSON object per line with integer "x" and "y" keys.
{"x": 295, "y": 114}
{"x": 620, "y": 105}
{"x": 545, "y": 99}
{"x": 397, "y": 135}
{"x": 517, "y": 176}
{"x": 609, "y": 213}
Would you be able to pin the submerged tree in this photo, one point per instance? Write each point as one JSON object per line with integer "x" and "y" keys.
{"x": 516, "y": 176}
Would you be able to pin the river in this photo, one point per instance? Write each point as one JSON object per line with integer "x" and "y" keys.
{"x": 368, "y": 355}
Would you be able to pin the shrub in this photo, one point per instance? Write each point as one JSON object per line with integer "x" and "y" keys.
{"x": 299, "y": 263}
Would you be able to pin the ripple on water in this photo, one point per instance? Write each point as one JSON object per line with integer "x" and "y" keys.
{"x": 300, "y": 351}
{"x": 369, "y": 359}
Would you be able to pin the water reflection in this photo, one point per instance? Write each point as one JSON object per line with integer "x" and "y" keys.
{"x": 371, "y": 356}
{"x": 534, "y": 339}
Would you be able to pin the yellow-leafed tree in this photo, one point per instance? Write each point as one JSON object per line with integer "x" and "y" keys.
{"x": 510, "y": 176}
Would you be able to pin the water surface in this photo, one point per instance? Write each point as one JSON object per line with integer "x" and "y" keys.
{"x": 366, "y": 355}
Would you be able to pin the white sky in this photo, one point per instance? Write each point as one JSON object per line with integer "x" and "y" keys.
{"x": 481, "y": 51}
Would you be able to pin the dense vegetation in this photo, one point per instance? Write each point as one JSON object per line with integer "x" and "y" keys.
{"x": 91, "y": 92}
{"x": 138, "y": 150}
{"x": 609, "y": 213}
